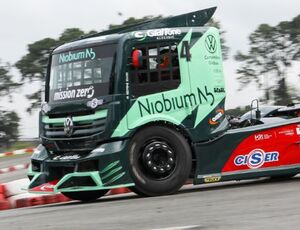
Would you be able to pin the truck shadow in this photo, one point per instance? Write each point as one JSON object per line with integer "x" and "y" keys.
{"x": 238, "y": 184}
{"x": 186, "y": 189}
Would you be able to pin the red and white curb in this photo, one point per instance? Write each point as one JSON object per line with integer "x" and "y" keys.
{"x": 14, "y": 168}
{"x": 18, "y": 152}
{"x": 13, "y": 195}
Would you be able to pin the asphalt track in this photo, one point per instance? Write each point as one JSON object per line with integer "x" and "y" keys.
{"x": 256, "y": 204}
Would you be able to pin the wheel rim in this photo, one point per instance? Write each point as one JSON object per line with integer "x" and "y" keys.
{"x": 158, "y": 160}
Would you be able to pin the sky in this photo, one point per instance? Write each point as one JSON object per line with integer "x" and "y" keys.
{"x": 24, "y": 22}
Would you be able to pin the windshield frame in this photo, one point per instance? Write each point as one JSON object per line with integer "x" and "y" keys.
{"x": 111, "y": 74}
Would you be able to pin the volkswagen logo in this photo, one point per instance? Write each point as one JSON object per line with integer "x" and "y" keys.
{"x": 211, "y": 43}
{"x": 68, "y": 126}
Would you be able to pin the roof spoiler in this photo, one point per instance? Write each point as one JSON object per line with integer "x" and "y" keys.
{"x": 196, "y": 18}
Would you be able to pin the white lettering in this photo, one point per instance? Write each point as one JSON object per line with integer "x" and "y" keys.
{"x": 74, "y": 93}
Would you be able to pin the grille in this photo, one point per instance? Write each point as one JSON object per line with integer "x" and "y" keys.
{"x": 58, "y": 172}
{"x": 80, "y": 128}
{"x": 71, "y": 145}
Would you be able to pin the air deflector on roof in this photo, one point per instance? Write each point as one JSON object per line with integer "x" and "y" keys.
{"x": 196, "y": 18}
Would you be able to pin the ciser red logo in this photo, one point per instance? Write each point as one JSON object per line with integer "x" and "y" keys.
{"x": 256, "y": 158}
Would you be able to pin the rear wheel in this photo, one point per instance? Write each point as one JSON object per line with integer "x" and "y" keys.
{"x": 85, "y": 195}
{"x": 160, "y": 161}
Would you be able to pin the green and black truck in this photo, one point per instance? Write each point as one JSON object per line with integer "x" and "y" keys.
{"x": 142, "y": 107}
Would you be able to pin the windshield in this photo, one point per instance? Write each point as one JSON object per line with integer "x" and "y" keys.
{"x": 81, "y": 74}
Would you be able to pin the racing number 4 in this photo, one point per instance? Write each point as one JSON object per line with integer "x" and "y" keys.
{"x": 185, "y": 51}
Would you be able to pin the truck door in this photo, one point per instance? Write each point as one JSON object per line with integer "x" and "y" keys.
{"x": 200, "y": 57}
{"x": 156, "y": 88}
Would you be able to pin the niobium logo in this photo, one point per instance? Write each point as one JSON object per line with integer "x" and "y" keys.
{"x": 163, "y": 103}
{"x": 68, "y": 126}
{"x": 211, "y": 43}
{"x": 88, "y": 53}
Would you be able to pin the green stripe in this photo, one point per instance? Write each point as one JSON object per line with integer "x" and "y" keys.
{"x": 115, "y": 178}
{"x": 109, "y": 167}
{"x": 98, "y": 115}
{"x": 111, "y": 173}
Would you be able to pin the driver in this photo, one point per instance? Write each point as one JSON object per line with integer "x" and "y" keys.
{"x": 167, "y": 57}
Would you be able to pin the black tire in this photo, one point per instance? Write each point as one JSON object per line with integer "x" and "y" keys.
{"x": 137, "y": 191}
{"x": 85, "y": 196}
{"x": 160, "y": 161}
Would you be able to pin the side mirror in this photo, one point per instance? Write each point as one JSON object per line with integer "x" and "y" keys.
{"x": 258, "y": 114}
{"x": 137, "y": 59}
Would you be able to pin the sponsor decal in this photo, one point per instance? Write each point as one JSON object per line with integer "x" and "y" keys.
{"x": 256, "y": 158}
{"x": 127, "y": 85}
{"x": 67, "y": 157}
{"x": 94, "y": 103}
{"x": 212, "y": 179}
{"x": 212, "y": 58}
{"x": 160, "y": 34}
{"x": 166, "y": 104}
{"x": 211, "y": 43}
{"x": 260, "y": 137}
{"x": 289, "y": 132}
{"x": 86, "y": 92}
{"x": 77, "y": 56}
{"x": 45, "y": 107}
{"x": 217, "y": 117}
{"x": 47, "y": 187}
{"x": 219, "y": 90}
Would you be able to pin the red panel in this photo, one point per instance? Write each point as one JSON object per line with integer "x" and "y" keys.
{"x": 274, "y": 147}
{"x": 4, "y": 204}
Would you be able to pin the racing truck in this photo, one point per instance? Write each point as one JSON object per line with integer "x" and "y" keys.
{"x": 143, "y": 107}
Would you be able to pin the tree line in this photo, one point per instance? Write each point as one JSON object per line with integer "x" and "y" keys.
{"x": 273, "y": 51}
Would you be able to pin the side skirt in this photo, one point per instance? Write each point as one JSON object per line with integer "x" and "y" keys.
{"x": 247, "y": 174}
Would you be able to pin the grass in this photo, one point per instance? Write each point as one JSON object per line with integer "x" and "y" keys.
{"x": 20, "y": 145}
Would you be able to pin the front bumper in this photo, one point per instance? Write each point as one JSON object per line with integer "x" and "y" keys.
{"x": 106, "y": 167}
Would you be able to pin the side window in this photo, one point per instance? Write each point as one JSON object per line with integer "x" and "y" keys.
{"x": 159, "y": 71}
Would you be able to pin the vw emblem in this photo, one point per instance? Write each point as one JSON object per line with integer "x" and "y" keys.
{"x": 68, "y": 126}
{"x": 211, "y": 43}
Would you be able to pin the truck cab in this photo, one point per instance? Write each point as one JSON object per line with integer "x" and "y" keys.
{"x": 158, "y": 85}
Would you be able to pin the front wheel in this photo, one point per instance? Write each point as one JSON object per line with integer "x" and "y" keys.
{"x": 160, "y": 161}
{"x": 85, "y": 196}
